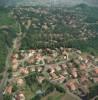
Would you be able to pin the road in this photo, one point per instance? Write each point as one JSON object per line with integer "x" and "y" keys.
{"x": 15, "y": 45}
{"x": 5, "y": 74}
{"x": 73, "y": 95}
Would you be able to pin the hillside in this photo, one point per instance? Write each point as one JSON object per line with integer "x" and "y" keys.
{"x": 7, "y": 33}
{"x": 54, "y": 54}
{"x": 47, "y": 2}
{"x": 66, "y": 27}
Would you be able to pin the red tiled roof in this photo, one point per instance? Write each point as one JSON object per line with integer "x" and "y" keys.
{"x": 96, "y": 70}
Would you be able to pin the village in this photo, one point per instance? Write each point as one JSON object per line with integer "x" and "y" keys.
{"x": 66, "y": 66}
{"x": 57, "y": 21}
{"x": 53, "y": 65}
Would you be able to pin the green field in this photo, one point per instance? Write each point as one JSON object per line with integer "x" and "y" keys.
{"x": 5, "y": 18}
{"x": 58, "y": 96}
{"x": 7, "y": 33}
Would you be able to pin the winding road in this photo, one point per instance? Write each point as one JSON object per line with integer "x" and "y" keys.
{"x": 15, "y": 45}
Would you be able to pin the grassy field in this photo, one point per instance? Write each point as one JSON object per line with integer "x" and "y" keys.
{"x": 58, "y": 96}
{"x": 5, "y": 18}
{"x": 6, "y": 34}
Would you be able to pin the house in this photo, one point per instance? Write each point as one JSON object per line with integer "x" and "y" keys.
{"x": 65, "y": 73}
{"x": 83, "y": 66}
{"x": 31, "y": 60}
{"x": 39, "y": 59}
{"x": 15, "y": 74}
{"x": 63, "y": 66}
{"x": 40, "y": 79}
{"x": 20, "y": 82}
{"x": 61, "y": 79}
{"x": 32, "y": 69}
{"x": 20, "y": 96}
{"x": 71, "y": 85}
{"x": 32, "y": 51}
{"x": 84, "y": 80}
{"x": 45, "y": 27}
{"x": 40, "y": 69}
{"x": 48, "y": 59}
{"x": 14, "y": 61}
{"x": 53, "y": 75}
{"x": 95, "y": 79}
{"x": 8, "y": 89}
{"x": 15, "y": 56}
{"x": 54, "y": 54}
{"x": 79, "y": 52}
{"x": 96, "y": 70}
{"x": 74, "y": 73}
{"x": 23, "y": 70}
{"x": 57, "y": 68}
{"x": 15, "y": 67}
{"x": 38, "y": 56}
{"x": 65, "y": 54}
{"x": 80, "y": 58}
{"x": 51, "y": 70}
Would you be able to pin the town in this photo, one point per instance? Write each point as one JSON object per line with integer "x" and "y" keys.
{"x": 57, "y": 26}
{"x": 52, "y": 53}
{"x": 68, "y": 67}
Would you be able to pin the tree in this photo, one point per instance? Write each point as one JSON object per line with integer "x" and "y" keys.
{"x": 7, "y": 97}
{"x": 15, "y": 88}
{"x": 60, "y": 89}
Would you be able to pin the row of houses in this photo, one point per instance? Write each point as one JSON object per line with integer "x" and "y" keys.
{"x": 67, "y": 66}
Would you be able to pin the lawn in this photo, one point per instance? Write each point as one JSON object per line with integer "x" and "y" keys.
{"x": 58, "y": 96}
{"x": 5, "y": 18}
